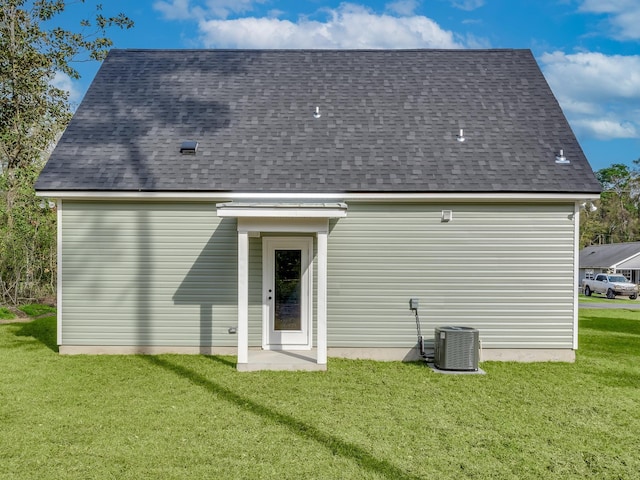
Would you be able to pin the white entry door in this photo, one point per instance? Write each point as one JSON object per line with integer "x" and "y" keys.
{"x": 287, "y": 266}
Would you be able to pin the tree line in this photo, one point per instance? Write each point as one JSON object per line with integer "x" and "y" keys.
{"x": 615, "y": 217}
{"x": 33, "y": 114}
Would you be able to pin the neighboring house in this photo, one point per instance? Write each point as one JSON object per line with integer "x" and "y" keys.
{"x": 623, "y": 258}
{"x": 327, "y": 188}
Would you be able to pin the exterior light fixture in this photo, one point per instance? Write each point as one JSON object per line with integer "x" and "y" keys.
{"x": 189, "y": 147}
{"x": 460, "y": 136}
{"x": 317, "y": 114}
{"x": 561, "y": 159}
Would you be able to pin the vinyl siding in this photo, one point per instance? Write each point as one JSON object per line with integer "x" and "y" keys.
{"x": 165, "y": 274}
{"x": 136, "y": 273}
{"x": 504, "y": 269}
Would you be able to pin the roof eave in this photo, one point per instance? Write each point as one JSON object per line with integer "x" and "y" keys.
{"x": 335, "y": 196}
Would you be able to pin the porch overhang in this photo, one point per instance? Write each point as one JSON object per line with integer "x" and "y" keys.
{"x": 286, "y": 217}
{"x": 282, "y": 210}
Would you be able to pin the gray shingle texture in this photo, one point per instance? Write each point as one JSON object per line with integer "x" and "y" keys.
{"x": 389, "y": 120}
{"x": 605, "y": 256}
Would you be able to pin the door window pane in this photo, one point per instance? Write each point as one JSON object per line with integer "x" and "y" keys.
{"x": 288, "y": 276}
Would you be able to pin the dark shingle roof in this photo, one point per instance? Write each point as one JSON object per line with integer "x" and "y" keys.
{"x": 389, "y": 120}
{"x": 605, "y": 256}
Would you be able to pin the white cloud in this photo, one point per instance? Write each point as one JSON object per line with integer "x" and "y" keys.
{"x": 223, "y": 8}
{"x": 467, "y": 5}
{"x": 599, "y": 93}
{"x": 605, "y": 129}
{"x": 185, "y": 10}
{"x": 605, "y": 6}
{"x": 580, "y": 107}
{"x": 62, "y": 81}
{"x": 348, "y": 26}
{"x": 472, "y": 41}
{"x": 403, "y": 7}
{"x": 623, "y": 16}
{"x": 608, "y": 77}
{"x": 174, "y": 9}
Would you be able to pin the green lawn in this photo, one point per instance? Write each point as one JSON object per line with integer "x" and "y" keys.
{"x": 175, "y": 417}
{"x": 597, "y": 298}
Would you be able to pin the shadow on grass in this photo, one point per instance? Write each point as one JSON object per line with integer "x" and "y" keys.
{"x": 222, "y": 360}
{"x": 606, "y": 324}
{"x": 43, "y": 330}
{"x": 620, "y": 344}
{"x": 336, "y": 446}
{"x": 612, "y": 342}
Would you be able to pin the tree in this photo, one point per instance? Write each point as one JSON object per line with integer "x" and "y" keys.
{"x": 617, "y": 217}
{"x": 33, "y": 113}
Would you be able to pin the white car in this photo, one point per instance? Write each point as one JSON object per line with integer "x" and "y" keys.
{"x": 610, "y": 285}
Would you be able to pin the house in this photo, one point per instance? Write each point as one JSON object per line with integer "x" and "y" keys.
{"x": 623, "y": 258}
{"x": 243, "y": 202}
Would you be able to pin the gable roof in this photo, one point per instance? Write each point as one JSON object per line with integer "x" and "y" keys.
{"x": 609, "y": 255}
{"x": 389, "y": 120}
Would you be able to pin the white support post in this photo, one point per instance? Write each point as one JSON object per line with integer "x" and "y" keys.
{"x": 243, "y": 298}
{"x": 322, "y": 298}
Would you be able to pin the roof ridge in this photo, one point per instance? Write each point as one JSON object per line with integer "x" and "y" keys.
{"x": 381, "y": 50}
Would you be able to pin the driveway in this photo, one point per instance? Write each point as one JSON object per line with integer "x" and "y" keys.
{"x": 611, "y": 304}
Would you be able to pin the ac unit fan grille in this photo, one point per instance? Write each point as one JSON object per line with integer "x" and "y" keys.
{"x": 456, "y": 348}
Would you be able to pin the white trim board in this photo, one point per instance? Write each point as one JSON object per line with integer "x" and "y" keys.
{"x": 282, "y": 210}
{"x": 283, "y": 225}
{"x": 339, "y": 197}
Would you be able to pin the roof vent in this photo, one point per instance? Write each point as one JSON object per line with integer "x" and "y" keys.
{"x": 561, "y": 159}
{"x": 189, "y": 147}
{"x": 460, "y": 136}
{"x": 317, "y": 114}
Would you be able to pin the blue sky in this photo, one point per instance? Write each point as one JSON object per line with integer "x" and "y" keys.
{"x": 589, "y": 50}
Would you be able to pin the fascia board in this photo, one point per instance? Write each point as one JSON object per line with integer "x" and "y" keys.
{"x": 617, "y": 264}
{"x": 282, "y": 212}
{"x": 370, "y": 197}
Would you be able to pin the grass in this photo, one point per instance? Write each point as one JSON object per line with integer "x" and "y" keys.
{"x": 597, "y": 298}
{"x": 36, "y": 309}
{"x": 31, "y": 310}
{"x": 6, "y": 314}
{"x": 174, "y": 417}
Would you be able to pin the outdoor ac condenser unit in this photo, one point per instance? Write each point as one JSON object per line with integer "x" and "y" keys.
{"x": 456, "y": 348}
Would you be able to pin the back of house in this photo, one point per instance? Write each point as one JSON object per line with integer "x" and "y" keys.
{"x": 234, "y": 201}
